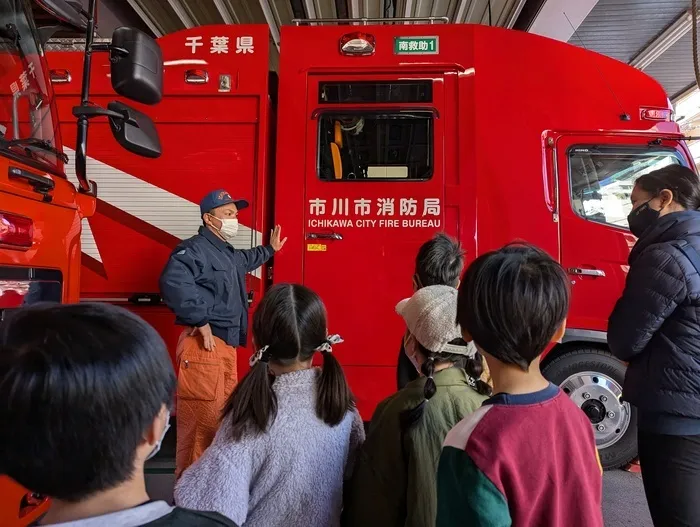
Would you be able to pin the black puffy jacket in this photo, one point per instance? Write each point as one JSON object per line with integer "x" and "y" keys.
{"x": 656, "y": 324}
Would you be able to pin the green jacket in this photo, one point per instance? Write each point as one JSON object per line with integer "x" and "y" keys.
{"x": 394, "y": 481}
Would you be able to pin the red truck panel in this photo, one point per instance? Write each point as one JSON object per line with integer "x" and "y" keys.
{"x": 498, "y": 94}
{"x": 210, "y": 139}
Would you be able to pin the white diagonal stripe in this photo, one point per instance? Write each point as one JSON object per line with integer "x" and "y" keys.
{"x": 154, "y": 205}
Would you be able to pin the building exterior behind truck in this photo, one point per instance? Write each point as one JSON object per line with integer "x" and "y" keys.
{"x": 486, "y": 134}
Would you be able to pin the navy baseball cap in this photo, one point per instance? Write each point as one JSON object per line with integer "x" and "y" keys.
{"x": 219, "y": 198}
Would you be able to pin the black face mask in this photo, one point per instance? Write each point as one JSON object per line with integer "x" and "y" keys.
{"x": 641, "y": 218}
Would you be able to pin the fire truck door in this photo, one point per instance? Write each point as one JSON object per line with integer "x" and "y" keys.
{"x": 374, "y": 192}
{"x": 597, "y": 175}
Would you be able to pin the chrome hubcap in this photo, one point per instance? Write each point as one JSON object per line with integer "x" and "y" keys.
{"x": 599, "y": 397}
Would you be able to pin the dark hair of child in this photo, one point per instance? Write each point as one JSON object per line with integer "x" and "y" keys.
{"x": 290, "y": 326}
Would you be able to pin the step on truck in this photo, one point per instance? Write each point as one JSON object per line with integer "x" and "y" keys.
{"x": 372, "y": 137}
{"x": 41, "y": 207}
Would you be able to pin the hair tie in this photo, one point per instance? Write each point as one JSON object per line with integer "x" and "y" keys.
{"x": 262, "y": 355}
{"x": 327, "y": 345}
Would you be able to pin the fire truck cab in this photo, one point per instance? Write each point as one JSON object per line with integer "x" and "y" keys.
{"x": 374, "y": 138}
{"x": 41, "y": 207}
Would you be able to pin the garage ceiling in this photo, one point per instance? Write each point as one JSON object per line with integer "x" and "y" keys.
{"x": 622, "y": 29}
{"x": 167, "y": 16}
{"x": 653, "y": 35}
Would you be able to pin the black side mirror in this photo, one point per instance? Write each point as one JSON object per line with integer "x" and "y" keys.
{"x": 137, "y": 66}
{"x": 136, "y": 73}
{"x": 66, "y": 12}
{"x": 134, "y": 130}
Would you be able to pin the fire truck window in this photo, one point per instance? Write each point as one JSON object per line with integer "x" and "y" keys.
{"x": 21, "y": 287}
{"x": 25, "y": 97}
{"x": 376, "y": 146}
{"x": 602, "y": 180}
{"x": 375, "y": 92}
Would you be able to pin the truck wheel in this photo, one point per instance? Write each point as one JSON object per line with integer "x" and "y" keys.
{"x": 593, "y": 379}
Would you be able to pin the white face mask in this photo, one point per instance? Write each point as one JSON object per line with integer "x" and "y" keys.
{"x": 156, "y": 449}
{"x": 229, "y": 228}
{"x": 411, "y": 350}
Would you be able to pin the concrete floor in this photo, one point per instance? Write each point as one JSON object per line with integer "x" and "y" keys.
{"x": 623, "y": 494}
{"x": 624, "y": 502}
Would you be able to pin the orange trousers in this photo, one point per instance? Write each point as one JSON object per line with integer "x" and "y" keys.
{"x": 205, "y": 381}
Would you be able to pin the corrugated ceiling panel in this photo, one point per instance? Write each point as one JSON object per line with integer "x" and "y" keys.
{"x": 674, "y": 69}
{"x": 245, "y": 11}
{"x": 202, "y": 13}
{"x": 161, "y": 11}
{"x": 468, "y": 11}
{"x": 283, "y": 11}
{"x": 621, "y": 28}
{"x": 323, "y": 8}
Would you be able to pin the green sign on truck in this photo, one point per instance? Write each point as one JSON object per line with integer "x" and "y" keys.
{"x": 416, "y": 45}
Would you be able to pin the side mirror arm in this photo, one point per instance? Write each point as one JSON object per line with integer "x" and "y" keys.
{"x": 115, "y": 52}
{"x": 96, "y": 111}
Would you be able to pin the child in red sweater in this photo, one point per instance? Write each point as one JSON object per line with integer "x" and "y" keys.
{"x": 527, "y": 457}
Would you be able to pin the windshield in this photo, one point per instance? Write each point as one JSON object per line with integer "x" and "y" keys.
{"x": 25, "y": 96}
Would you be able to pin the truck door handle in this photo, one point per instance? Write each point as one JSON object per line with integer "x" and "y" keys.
{"x": 41, "y": 185}
{"x": 586, "y": 272}
{"x": 324, "y": 236}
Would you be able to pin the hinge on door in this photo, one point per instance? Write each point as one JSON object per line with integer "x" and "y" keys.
{"x": 269, "y": 273}
{"x": 250, "y": 298}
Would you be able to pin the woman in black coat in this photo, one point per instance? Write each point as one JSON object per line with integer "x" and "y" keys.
{"x": 655, "y": 327}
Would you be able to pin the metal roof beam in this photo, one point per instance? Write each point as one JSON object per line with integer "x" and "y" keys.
{"x": 150, "y": 22}
{"x": 512, "y": 17}
{"x": 559, "y": 19}
{"x": 664, "y": 41}
{"x": 326, "y": 9}
{"x": 310, "y": 9}
{"x": 271, "y": 22}
{"x": 355, "y": 9}
{"x": 422, "y": 8}
{"x": 224, "y": 12}
{"x": 464, "y": 11}
{"x": 182, "y": 13}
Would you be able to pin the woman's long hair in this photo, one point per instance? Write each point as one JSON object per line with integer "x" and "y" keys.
{"x": 290, "y": 325}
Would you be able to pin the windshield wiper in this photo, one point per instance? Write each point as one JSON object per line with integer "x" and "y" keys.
{"x": 33, "y": 142}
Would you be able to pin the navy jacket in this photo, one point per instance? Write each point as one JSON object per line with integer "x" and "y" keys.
{"x": 204, "y": 283}
{"x": 656, "y": 327}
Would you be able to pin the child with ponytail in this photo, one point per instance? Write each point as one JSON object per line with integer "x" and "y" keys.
{"x": 288, "y": 430}
{"x": 394, "y": 481}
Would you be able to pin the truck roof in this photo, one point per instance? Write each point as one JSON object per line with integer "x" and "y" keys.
{"x": 513, "y": 72}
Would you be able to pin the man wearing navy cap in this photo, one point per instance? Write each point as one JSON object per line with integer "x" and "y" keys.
{"x": 204, "y": 284}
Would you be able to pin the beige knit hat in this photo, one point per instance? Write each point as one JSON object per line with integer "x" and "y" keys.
{"x": 430, "y": 315}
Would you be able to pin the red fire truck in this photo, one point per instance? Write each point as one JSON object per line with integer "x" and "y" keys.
{"x": 379, "y": 136}
{"x": 40, "y": 209}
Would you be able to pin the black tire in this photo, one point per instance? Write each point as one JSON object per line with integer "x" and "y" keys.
{"x": 558, "y": 370}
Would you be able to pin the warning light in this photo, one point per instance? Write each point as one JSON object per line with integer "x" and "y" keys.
{"x": 360, "y": 44}
{"x": 656, "y": 114}
{"x": 16, "y": 231}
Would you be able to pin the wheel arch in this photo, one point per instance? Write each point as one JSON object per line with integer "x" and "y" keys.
{"x": 576, "y": 339}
